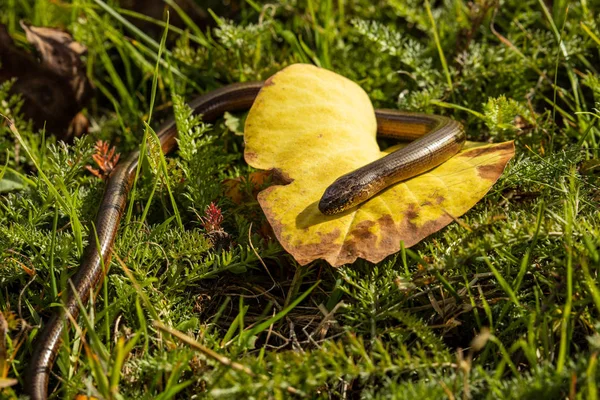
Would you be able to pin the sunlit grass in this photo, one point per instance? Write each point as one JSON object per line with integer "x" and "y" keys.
{"x": 504, "y": 304}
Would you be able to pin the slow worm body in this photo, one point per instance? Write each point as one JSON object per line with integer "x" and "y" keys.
{"x": 435, "y": 138}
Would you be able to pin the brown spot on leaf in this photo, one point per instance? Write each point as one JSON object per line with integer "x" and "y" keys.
{"x": 506, "y": 146}
{"x": 412, "y": 234}
{"x": 361, "y": 242}
{"x": 491, "y": 171}
{"x": 475, "y": 152}
{"x": 437, "y": 200}
{"x": 250, "y": 157}
{"x": 362, "y": 232}
{"x": 478, "y": 151}
{"x": 303, "y": 253}
{"x": 325, "y": 248}
{"x": 412, "y": 212}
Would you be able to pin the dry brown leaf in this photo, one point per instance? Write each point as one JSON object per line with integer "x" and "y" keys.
{"x": 55, "y": 89}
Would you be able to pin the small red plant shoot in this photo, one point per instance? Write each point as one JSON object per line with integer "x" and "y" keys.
{"x": 212, "y": 218}
{"x": 105, "y": 158}
{"x": 211, "y": 222}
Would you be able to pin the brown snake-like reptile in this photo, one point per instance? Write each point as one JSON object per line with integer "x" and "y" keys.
{"x": 435, "y": 139}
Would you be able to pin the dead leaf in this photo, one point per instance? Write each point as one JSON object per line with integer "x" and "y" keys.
{"x": 245, "y": 190}
{"x": 62, "y": 55}
{"x": 241, "y": 190}
{"x": 7, "y": 382}
{"x": 78, "y": 126}
{"x": 55, "y": 89}
{"x": 314, "y": 126}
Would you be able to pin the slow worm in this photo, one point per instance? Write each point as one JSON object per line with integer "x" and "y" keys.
{"x": 434, "y": 140}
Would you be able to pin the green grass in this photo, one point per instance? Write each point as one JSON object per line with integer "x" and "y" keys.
{"x": 505, "y": 304}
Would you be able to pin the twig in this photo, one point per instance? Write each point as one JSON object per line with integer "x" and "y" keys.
{"x": 262, "y": 262}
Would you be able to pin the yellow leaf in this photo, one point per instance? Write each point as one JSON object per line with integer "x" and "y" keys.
{"x": 313, "y": 126}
